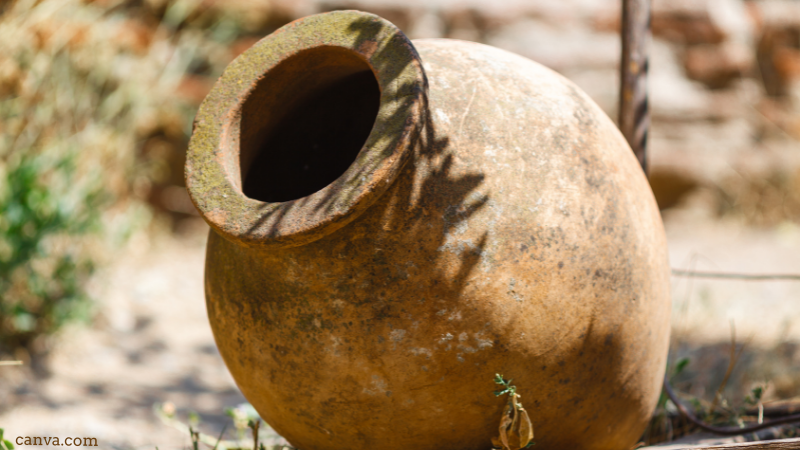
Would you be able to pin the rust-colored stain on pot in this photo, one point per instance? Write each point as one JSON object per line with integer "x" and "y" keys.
{"x": 394, "y": 223}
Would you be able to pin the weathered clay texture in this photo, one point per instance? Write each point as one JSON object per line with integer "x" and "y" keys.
{"x": 495, "y": 221}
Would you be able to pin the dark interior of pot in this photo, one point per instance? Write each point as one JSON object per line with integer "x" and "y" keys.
{"x": 305, "y": 122}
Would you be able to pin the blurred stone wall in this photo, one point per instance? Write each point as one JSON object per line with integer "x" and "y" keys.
{"x": 724, "y": 82}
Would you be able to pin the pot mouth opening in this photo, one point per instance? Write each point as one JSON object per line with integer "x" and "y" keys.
{"x": 306, "y": 130}
{"x": 305, "y": 122}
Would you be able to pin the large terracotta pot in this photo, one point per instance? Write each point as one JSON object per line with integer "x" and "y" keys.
{"x": 394, "y": 222}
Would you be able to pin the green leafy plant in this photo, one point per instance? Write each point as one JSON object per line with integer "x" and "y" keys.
{"x": 43, "y": 264}
{"x": 680, "y": 365}
{"x": 755, "y": 395}
{"x": 5, "y": 444}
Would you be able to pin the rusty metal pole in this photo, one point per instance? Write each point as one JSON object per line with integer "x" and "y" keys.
{"x": 634, "y": 117}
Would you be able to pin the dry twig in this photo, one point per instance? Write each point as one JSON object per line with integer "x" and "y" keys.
{"x": 735, "y": 276}
{"x": 734, "y": 358}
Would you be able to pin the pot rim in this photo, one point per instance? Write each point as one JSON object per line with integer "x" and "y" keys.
{"x": 213, "y": 175}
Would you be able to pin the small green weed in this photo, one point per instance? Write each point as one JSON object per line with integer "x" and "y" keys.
{"x": 508, "y": 388}
{"x": 516, "y": 430}
{"x": 244, "y": 417}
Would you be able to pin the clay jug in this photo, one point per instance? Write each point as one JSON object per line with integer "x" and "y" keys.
{"x": 395, "y": 222}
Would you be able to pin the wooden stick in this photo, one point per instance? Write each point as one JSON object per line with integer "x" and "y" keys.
{"x": 634, "y": 118}
{"x": 10, "y": 363}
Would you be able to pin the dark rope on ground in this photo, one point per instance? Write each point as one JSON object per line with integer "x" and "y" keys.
{"x": 725, "y": 431}
{"x": 735, "y": 276}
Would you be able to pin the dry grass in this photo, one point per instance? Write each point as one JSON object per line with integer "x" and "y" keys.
{"x": 761, "y": 199}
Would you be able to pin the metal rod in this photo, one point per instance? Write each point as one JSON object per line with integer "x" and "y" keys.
{"x": 634, "y": 117}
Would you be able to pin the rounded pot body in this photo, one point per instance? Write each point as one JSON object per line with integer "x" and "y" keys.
{"x": 489, "y": 218}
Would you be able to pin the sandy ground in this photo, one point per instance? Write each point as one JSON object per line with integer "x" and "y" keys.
{"x": 151, "y": 342}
